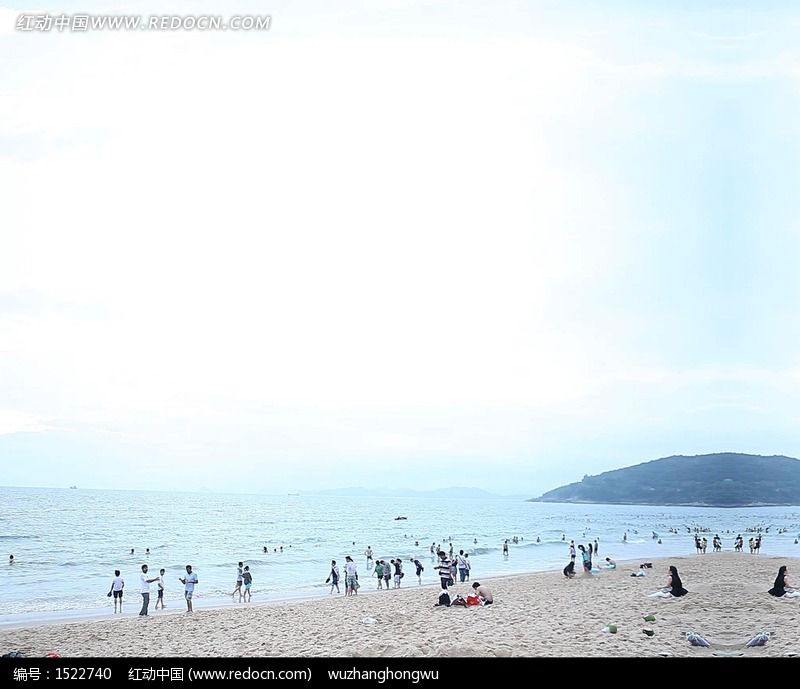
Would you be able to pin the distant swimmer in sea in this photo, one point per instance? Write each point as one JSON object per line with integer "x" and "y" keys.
{"x": 11, "y": 558}
{"x": 538, "y": 540}
{"x": 131, "y": 551}
{"x": 781, "y": 587}
{"x": 266, "y": 550}
{"x": 505, "y": 547}
{"x": 674, "y": 586}
{"x": 475, "y": 541}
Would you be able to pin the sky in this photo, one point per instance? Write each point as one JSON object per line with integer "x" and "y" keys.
{"x": 397, "y": 244}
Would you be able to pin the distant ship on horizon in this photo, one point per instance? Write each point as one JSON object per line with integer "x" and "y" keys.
{"x": 73, "y": 487}
{"x": 293, "y": 494}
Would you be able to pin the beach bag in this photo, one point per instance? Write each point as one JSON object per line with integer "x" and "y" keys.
{"x": 473, "y": 600}
{"x": 444, "y": 599}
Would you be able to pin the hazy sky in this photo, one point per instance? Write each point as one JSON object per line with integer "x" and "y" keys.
{"x": 407, "y": 244}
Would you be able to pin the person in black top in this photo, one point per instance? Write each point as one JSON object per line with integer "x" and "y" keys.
{"x": 781, "y": 588}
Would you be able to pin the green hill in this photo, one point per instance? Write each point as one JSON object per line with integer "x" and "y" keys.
{"x": 720, "y": 480}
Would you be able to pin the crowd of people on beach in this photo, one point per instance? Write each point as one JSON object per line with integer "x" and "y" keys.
{"x": 450, "y": 568}
{"x": 118, "y": 586}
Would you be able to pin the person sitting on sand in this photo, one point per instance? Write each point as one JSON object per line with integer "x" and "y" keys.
{"x": 610, "y": 564}
{"x": 674, "y": 587}
{"x": 781, "y": 588}
{"x": 483, "y": 593}
{"x": 569, "y": 570}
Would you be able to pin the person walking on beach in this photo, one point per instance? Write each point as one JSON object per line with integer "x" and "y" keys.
{"x": 379, "y": 573}
{"x": 333, "y": 577}
{"x": 351, "y": 577}
{"x": 160, "y": 584}
{"x": 247, "y": 578}
{"x": 674, "y": 587}
{"x": 189, "y": 582}
{"x": 239, "y": 579}
{"x": 145, "y": 590}
{"x": 117, "y": 584}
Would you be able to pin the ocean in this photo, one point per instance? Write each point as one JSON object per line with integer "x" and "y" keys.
{"x": 67, "y": 543}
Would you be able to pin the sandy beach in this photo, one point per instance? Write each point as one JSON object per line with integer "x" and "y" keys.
{"x": 541, "y": 614}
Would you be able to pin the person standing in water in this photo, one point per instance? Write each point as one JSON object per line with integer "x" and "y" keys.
{"x": 189, "y": 582}
{"x": 247, "y": 578}
{"x": 239, "y": 579}
{"x": 368, "y": 553}
{"x": 333, "y": 577}
{"x": 160, "y": 598}
{"x": 145, "y": 590}
{"x": 351, "y": 577}
{"x": 117, "y": 584}
{"x": 420, "y": 569}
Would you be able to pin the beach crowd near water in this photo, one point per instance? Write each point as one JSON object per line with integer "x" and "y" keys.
{"x": 449, "y": 567}
{"x": 611, "y": 605}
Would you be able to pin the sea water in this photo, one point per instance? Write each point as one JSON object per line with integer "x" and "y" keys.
{"x": 67, "y": 543}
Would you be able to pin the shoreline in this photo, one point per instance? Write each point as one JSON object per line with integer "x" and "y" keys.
{"x": 539, "y": 614}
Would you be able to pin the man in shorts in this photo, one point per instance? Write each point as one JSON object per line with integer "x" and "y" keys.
{"x": 117, "y": 585}
{"x": 160, "y": 585}
{"x": 247, "y": 578}
{"x": 188, "y": 582}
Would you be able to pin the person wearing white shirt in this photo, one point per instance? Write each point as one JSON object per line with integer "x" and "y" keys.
{"x": 189, "y": 581}
{"x": 117, "y": 584}
{"x": 161, "y": 588}
{"x": 145, "y": 591}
